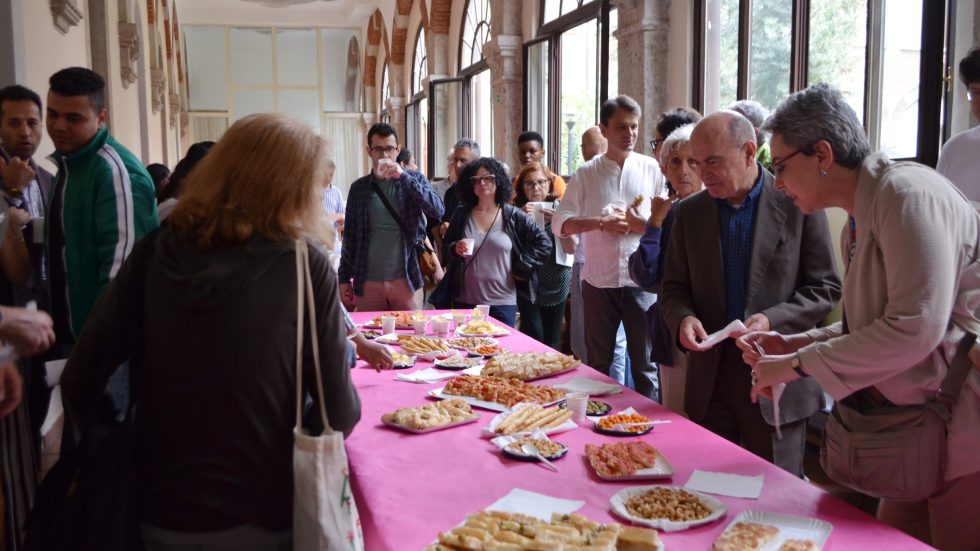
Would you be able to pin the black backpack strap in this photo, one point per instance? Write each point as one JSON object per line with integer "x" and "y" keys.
{"x": 412, "y": 238}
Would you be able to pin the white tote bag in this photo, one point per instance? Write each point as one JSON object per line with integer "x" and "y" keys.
{"x": 324, "y": 513}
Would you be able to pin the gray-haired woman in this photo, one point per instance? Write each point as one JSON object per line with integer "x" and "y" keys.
{"x": 911, "y": 292}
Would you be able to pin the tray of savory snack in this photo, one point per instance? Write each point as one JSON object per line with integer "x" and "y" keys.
{"x": 424, "y": 347}
{"x": 401, "y": 361}
{"x": 529, "y": 366}
{"x": 765, "y": 531}
{"x": 481, "y": 328}
{"x": 500, "y": 530}
{"x": 403, "y": 320}
{"x": 667, "y": 508}
{"x": 526, "y": 418}
{"x": 431, "y": 417}
{"x": 632, "y": 460}
{"x": 497, "y": 394}
{"x": 457, "y": 362}
{"x": 470, "y": 343}
{"x": 488, "y": 351}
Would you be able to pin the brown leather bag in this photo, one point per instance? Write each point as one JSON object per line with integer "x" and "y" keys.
{"x": 889, "y": 451}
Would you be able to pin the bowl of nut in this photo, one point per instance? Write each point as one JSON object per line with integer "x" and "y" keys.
{"x": 549, "y": 449}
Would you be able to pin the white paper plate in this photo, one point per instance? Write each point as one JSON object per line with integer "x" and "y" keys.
{"x": 546, "y": 375}
{"x": 618, "y": 504}
{"x": 661, "y": 469}
{"x": 475, "y": 418}
{"x": 500, "y": 332}
{"x": 441, "y": 363}
{"x": 492, "y": 406}
{"x": 390, "y": 338}
{"x": 790, "y": 527}
{"x": 491, "y": 341}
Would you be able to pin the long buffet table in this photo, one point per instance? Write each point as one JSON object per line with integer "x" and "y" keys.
{"x": 410, "y": 487}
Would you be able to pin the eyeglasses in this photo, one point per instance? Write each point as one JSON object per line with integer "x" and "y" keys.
{"x": 536, "y": 183}
{"x": 387, "y": 150}
{"x": 486, "y": 179}
{"x": 777, "y": 167}
{"x": 655, "y": 143}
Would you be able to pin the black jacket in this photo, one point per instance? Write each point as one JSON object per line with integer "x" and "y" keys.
{"x": 531, "y": 247}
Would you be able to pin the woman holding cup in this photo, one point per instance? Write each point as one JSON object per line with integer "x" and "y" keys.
{"x": 506, "y": 251}
{"x": 541, "y": 317}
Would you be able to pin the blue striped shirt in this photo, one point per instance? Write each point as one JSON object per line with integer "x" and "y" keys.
{"x": 737, "y": 225}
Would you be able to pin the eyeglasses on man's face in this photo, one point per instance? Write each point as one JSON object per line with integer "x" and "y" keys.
{"x": 531, "y": 184}
{"x": 486, "y": 179}
{"x": 387, "y": 150}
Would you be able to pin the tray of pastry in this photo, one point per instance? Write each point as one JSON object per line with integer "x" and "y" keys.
{"x": 529, "y": 366}
{"x": 630, "y": 460}
{"x": 431, "y": 417}
{"x": 497, "y": 394}
{"x": 765, "y": 531}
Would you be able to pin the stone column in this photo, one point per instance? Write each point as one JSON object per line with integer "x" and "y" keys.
{"x": 506, "y": 59}
{"x": 396, "y": 109}
{"x": 643, "y": 48}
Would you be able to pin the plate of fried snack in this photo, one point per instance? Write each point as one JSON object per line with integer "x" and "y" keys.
{"x": 667, "y": 508}
{"x": 497, "y": 394}
{"x": 620, "y": 424}
{"x": 469, "y": 343}
{"x": 527, "y": 418}
{"x": 430, "y": 417}
{"x": 631, "y": 460}
{"x": 370, "y": 334}
{"x": 500, "y": 530}
{"x": 481, "y": 328}
{"x": 765, "y": 531}
{"x": 487, "y": 351}
{"x": 457, "y": 362}
{"x": 424, "y": 347}
{"x": 401, "y": 361}
{"x": 529, "y": 366}
{"x": 403, "y": 320}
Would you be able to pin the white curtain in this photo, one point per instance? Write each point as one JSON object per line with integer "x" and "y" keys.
{"x": 345, "y": 136}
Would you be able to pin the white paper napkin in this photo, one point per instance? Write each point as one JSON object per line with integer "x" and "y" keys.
{"x": 534, "y": 504}
{"x": 726, "y": 484}
{"x": 432, "y": 375}
{"x": 726, "y": 332}
{"x": 590, "y": 386}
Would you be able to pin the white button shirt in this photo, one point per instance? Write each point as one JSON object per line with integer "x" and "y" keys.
{"x": 595, "y": 185}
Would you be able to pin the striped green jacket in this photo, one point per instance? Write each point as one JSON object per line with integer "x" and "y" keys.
{"x": 103, "y": 201}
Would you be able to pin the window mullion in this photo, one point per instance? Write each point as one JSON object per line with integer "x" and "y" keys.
{"x": 798, "y": 64}
{"x": 744, "y": 48}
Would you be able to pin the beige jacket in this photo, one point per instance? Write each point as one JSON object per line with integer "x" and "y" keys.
{"x": 910, "y": 289}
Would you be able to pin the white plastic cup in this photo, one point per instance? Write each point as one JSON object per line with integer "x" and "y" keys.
{"x": 459, "y": 319}
{"x": 387, "y": 325}
{"x": 485, "y": 310}
{"x": 618, "y": 205}
{"x": 538, "y": 213}
{"x": 468, "y": 244}
{"x": 440, "y": 327}
{"x": 419, "y": 326}
{"x": 577, "y": 403}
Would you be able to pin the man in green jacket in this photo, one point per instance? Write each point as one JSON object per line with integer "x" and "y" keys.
{"x": 101, "y": 204}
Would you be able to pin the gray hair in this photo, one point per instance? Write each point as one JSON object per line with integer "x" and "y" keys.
{"x": 331, "y": 164}
{"x": 821, "y": 113}
{"x": 740, "y": 128}
{"x": 752, "y": 110}
{"x": 470, "y": 144}
{"x": 676, "y": 140}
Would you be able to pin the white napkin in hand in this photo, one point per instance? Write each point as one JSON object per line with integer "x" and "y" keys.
{"x": 535, "y": 505}
{"x": 777, "y": 393}
{"x": 725, "y": 484}
{"x": 718, "y": 336}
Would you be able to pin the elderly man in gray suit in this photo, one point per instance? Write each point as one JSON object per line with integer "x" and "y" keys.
{"x": 741, "y": 250}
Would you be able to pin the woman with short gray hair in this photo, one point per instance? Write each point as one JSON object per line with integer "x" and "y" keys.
{"x": 910, "y": 316}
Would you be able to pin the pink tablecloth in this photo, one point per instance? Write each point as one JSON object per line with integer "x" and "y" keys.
{"x": 410, "y": 487}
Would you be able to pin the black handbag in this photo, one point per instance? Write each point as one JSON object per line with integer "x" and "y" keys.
{"x": 89, "y": 500}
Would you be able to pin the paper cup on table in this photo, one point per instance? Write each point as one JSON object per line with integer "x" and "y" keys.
{"x": 468, "y": 244}
{"x": 387, "y": 325}
{"x": 419, "y": 326}
{"x": 459, "y": 319}
{"x": 577, "y": 403}
{"x": 484, "y": 309}
{"x": 440, "y": 326}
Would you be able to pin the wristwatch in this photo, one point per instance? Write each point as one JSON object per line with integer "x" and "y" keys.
{"x": 795, "y": 364}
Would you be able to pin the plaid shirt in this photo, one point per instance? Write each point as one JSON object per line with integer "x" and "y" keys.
{"x": 737, "y": 225}
{"x": 416, "y": 201}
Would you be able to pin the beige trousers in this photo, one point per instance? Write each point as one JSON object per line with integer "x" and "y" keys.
{"x": 389, "y": 295}
{"x": 948, "y": 520}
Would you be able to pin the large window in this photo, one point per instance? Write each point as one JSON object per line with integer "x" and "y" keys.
{"x": 417, "y": 111}
{"x": 477, "y": 86}
{"x": 568, "y": 75}
{"x": 385, "y": 94}
{"x": 871, "y": 49}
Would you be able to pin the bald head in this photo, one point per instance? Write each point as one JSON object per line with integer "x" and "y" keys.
{"x": 723, "y": 145}
{"x": 593, "y": 143}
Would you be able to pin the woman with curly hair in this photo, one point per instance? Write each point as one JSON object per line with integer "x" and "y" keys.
{"x": 541, "y": 317}
{"x": 507, "y": 248}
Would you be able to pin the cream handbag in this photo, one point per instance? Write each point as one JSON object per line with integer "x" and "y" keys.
{"x": 324, "y": 513}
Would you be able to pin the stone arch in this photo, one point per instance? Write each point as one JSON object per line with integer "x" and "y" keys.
{"x": 439, "y": 16}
